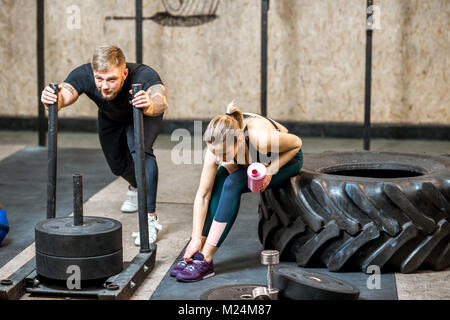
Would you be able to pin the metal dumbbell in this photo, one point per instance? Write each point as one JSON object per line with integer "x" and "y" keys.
{"x": 270, "y": 258}
{"x": 261, "y": 293}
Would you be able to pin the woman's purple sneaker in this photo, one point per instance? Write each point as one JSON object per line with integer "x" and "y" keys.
{"x": 197, "y": 270}
{"x": 178, "y": 267}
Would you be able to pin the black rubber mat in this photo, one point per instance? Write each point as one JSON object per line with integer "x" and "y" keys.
{"x": 23, "y": 189}
{"x": 238, "y": 262}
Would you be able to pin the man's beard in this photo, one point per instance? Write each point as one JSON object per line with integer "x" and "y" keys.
{"x": 112, "y": 95}
{"x": 109, "y": 97}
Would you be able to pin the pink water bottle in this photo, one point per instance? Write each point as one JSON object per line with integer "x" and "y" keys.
{"x": 256, "y": 173}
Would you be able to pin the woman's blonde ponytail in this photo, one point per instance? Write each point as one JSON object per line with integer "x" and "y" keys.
{"x": 236, "y": 114}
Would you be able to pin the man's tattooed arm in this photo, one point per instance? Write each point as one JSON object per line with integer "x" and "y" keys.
{"x": 67, "y": 94}
{"x": 158, "y": 100}
{"x": 68, "y": 87}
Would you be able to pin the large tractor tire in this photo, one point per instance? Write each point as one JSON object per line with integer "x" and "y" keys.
{"x": 348, "y": 210}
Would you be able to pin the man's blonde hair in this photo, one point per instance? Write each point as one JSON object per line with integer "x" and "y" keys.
{"x": 107, "y": 57}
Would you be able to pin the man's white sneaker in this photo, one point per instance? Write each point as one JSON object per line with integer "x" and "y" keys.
{"x": 130, "y": 204}
{"x": 153, "y": 227}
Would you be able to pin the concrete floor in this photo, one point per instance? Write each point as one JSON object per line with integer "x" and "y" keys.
{"x": 175, "y": 213}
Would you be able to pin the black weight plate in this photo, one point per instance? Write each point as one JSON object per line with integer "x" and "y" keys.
{"x": 299, "y": 284}
{"x": 230, "y": 292}
{"x": 91, "y": 268}
{"x": 97, "y": 236}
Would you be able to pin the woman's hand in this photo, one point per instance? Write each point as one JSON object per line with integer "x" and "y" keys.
{"x": 266, "y": 182}
{"x": 195, "y": 245}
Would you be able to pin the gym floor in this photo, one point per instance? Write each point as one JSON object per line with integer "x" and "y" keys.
{"x": 175, "y": 200}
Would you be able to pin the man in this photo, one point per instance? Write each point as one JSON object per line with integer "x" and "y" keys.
{"x": 107, "y": 81}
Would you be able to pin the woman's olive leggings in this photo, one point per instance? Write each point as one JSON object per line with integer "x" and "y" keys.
{"x": 226, "y": 197}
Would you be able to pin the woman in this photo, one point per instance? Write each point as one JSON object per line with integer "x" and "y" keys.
{"x": 243, "y": 139}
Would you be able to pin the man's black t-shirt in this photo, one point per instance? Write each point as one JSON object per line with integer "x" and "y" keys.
{"x": 118, "y": 109}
